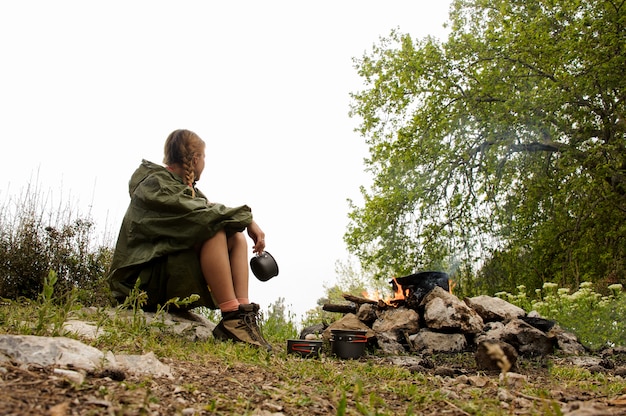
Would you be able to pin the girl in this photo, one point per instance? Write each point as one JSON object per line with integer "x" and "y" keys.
{"x": 177, "y": 243}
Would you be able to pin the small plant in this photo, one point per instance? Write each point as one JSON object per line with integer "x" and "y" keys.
{"x": 135, "y": 301}
{"x": 177, "y": 303}
{"x": 279, "y": 323}
{"x": 49, "y": 313}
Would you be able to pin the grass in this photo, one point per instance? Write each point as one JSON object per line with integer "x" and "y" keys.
{"x": 325, "y": 385}
{"x": 225, "y": 378}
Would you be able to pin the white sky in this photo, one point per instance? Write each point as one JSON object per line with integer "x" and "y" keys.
{"x": 89, "y": 88}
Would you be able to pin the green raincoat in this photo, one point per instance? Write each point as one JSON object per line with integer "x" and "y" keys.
{"x": 160, "y": 234}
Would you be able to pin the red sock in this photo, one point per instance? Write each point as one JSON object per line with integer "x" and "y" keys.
{"x": 244, "y": 301}
{"x": 229, "y": 305}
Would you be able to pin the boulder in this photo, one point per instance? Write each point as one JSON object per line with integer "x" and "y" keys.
{"x": 445, "y": 312}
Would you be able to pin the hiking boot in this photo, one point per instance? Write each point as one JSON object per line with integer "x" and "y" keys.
{"x": 241, "y": 326}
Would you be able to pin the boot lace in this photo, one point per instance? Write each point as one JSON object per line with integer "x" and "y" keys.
{"x": 252, "y": 327}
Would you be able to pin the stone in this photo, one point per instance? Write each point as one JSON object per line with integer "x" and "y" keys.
{"x": 389, "y": 344}
{"x": 495, "y": 356}
{"x": 513, "y": 380}
{"x": 47, "y": 351}
{"x": 526, "y": 339}
{"x": 432, "y": 341}
{"x": 82, "y": 329}
{"x": 494, "y": 309}
{"x": 397, "y": 320}
{"x": 566, "y": 341}
{"x": 444, "y": 311}
{"x": 144, "y": 364}
{"x": 348, "y": 322}
{"x": 75, "y": 377}
{"x": 71, "y": 354}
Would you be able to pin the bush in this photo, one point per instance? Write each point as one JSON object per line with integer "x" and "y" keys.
{"x": 34, "y": 240}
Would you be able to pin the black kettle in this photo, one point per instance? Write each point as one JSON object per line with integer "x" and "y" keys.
{"x": 264, "y": 266}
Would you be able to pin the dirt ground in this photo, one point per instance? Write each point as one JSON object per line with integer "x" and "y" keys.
{"x": 204, "y": 390}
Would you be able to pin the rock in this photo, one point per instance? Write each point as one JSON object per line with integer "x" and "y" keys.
{"x": 584, "y": 361}
{"x": 494, "y": 309}
{"x": 313, "y": 332}
{"x": 367, "y": 313}
{"x": 67, "y": 353}
{"x": 432, "y": 341}
{"x": 445, "y": 372}
{"x": 566, "y": 342}
{"x": 444, "y": 311}
{"x": 388, "y": 343}
{"x": 409, "y": 361}
{"x": 513, "y": 380}
{"x": 348, "y": 322}
{"x": 82, "y": 329}
{"x": 144, "y": 364}
{"x": 70, "y": 375}
{"x": 495, "y": 356}
{"x": 190, "y": 325}
{"x": 526, "y": 339}
{"x": 47, "y": 351}
{"x": 398, "y": 320}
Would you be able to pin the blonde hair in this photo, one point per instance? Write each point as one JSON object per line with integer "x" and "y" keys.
{"x": 180, "y": 148}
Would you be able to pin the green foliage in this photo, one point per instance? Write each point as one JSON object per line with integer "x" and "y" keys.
{"x": 597, "y": 320}
{"x": 503, "y": 146}
{"x": 278, "y": 324}
{"x": 34, "y": 240}
{"x": 49, "y": 315}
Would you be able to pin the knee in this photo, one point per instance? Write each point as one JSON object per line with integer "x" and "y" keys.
{"x": 237, "y": 240}
{"x": 218, "y": 239}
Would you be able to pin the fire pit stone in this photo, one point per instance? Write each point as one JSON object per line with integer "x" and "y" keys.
{"x": 444, "y": 311}
{"x": 441, "y": 322}
{"x": 427, "y": 340}
{"x": 494, "y": 309}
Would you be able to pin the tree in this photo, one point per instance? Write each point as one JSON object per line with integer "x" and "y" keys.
{"x": 502, "y": 149}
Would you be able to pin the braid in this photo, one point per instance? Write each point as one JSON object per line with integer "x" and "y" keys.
{"x": 180, "y": 147}
{"x": 188, "y": 167}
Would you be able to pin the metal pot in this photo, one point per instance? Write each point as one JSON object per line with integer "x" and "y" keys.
{"x": 304, "y": 347}
{"x": 348, "y": 343}
{"x": 264, "y": 266}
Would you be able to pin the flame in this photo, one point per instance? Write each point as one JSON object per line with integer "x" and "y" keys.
{"x": 451, "y": 285}
{"x": 375, "y": 295}
{"x": 399, "y": 294}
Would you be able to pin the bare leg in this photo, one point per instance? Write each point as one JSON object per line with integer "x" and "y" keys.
{"x": 238, "y": 255}
{"x": 216, "y": 268}
{"x": 225, "y": 268}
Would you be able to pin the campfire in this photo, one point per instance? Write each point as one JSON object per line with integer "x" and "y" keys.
{"x": 407, "y": 291}
{"x": 423, "y": 315}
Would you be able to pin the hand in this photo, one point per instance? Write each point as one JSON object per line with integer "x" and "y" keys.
{"x": 258, "y": 236}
